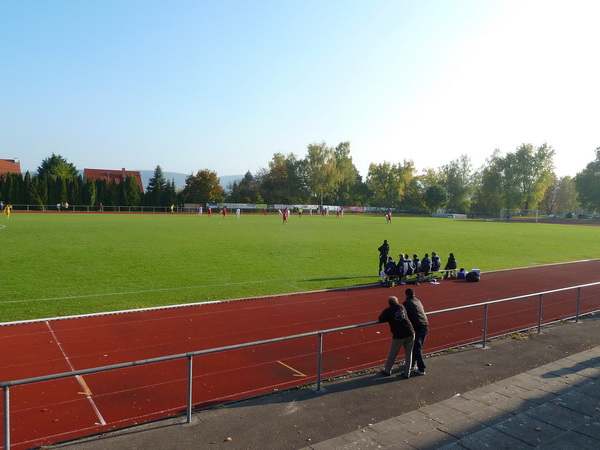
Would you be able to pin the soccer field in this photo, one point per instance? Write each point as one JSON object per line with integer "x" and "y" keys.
{"x": 60, "y": 264}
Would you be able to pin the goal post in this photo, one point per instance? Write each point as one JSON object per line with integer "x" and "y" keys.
{"x": 508, "y": 213}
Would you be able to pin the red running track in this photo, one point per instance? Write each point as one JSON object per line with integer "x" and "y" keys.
{"x": 59, "y": 410}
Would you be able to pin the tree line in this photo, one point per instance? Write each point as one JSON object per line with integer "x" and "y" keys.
{"x": 326, "y": 175}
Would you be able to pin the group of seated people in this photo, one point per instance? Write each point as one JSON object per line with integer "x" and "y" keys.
{"x": 406, "y": 267}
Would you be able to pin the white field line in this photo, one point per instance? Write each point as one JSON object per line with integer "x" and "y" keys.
{"x": 183, "y": 305}
{"x": 80, "y": 380}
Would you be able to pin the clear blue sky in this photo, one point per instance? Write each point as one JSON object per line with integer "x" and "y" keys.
{"x": 225, "y": 84}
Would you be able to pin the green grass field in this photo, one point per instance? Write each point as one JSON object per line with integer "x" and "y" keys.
{"x": 66, "y": 264}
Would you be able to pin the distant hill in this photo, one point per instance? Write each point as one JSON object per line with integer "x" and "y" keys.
{"x": 179, "y": 178}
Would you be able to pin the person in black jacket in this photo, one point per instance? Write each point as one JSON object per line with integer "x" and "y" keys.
{"x": 451, "y": 265}
{"x": 384, "y": 250}
{"x": 418, "y": 319}
{"x": 403, "y": 335}
{"x": 436, "y": 264}
{"x": 390, "y": 270}
{"x": 426, "y": 264}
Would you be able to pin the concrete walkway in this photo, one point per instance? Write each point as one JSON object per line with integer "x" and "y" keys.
{"x": 555, "y": 406}
{"x": 521, "y": 392}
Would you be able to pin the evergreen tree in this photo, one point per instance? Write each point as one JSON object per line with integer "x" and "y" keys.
{"x": 56, "y": 166}
{"x": 155, "y": 191}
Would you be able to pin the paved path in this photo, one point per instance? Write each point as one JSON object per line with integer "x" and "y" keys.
{"x": 555, "y": 406}
{"x": 543, "y": 391}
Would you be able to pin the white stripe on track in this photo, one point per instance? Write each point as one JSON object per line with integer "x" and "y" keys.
{"x": 80, "y": 380}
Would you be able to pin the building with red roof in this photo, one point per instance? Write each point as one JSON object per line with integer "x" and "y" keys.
{"x": 10, "y": 166}
{"x": 113, "y": 175}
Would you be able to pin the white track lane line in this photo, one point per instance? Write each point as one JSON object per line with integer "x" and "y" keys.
{"x": 85, "y": 389}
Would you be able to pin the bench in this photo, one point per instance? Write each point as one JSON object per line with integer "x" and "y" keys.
{"x": 418, "y": 277}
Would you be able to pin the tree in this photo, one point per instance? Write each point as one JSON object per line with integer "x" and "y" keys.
{"x": 457, "y": 184}
{"x": 170, "y": 195}
{"x": 347, "y": 176}
{"x": 284, "y": 181}
{"x": 130, "y": 191}
{"x": 435, "y": 197}
{"x": 321, "y": 174}
{"x": 90, "y": 193}
{"x": 38, "y": 191}
{"x": 155, "y": 190}
{"x": 526, "y": 175}
{"x": 56, "y": 166}
{"x": 245, "y": 191}
{"x": 388, "y": 181}
{"x": 587, "y": 184}
{"x": 204, "y": 187}
{"x": 488, "y": 198}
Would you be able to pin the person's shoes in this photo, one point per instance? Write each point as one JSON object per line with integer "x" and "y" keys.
{"x": 419, "y": 372}
{"x": 404, "y": 375}
{"x": 385, "y": 373}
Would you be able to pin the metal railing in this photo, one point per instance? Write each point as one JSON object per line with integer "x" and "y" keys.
{"x": 6, "y": 385}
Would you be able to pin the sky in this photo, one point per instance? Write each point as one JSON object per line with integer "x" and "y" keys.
{"x": 225, "y": 84}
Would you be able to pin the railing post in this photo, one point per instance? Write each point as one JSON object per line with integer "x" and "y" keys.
{"x": 320, "y": 362}
{"x": 189, "y": 390}
{"x": 577, "y": 307}
{"x": 6, "y": 419}
{"x": 539, "y": 327}
{"x": 485, "y": 324}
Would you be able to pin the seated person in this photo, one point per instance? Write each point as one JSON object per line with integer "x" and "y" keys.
{"x": 451, "y": 266}
{"x": 416, "y": 263}
{"x": 409, "y": 266}
{"x": 401, "y": 265}
{"x": 389, "y": 271}
{"x": 436, "y": 264}
{"x": 426, "y": 264}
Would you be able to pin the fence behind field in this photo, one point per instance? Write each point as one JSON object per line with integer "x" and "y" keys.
{"x": 533, "y": 311}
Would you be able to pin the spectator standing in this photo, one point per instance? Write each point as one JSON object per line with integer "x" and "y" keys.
{"x": 403, "y": 335}
{"x": 384, "y": 250}
{"x": 418, "y": 319}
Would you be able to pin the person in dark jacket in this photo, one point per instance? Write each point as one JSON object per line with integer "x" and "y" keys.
{"x": 418, "y": 319}
{"x": 436, "y": 264}
{"x": 403, "y": 335}
{"x": 451, "y": 265}
{"x": 426, "y": 264}
{"x": 416, "y": 263}
{"x": 409, "y": 268}
{"x": 384, "y": 250}
{"x": 389, "y": 271}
